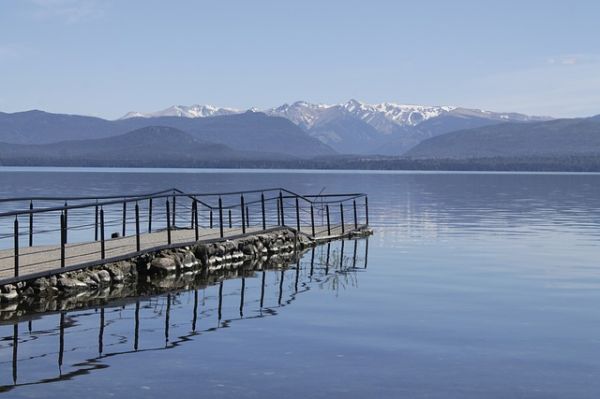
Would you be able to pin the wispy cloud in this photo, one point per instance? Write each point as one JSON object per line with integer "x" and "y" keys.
{"x": 10, "y": 51}
{"x": 70, "y": 11}
{"x": 574, "y": 59}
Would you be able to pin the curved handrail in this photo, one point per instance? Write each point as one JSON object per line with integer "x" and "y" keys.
{"x": 174, "y": 192}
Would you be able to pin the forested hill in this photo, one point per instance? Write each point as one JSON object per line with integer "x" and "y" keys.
{"x": 556, "y": 138}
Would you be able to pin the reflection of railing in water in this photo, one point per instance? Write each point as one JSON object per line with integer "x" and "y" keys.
{"x": 323, "y": 267}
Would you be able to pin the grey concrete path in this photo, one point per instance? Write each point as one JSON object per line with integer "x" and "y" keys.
{"x": 42, "y": 258}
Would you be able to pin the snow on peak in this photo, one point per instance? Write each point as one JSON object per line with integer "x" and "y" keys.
{"x": 133, "y": 114}
{"x": 400, "y": 114}
{"x": 384, "y": 117}
{"x": 185, "y": 111}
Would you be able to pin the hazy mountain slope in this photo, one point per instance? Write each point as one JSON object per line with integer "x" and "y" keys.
{"x": 561, "y": 137}
{"x": 347, "y": 134}
{"x": 148, "y": 142}
{"x": 400, "y": 143}
{"x": 245, "y": 132}
{"x": 149, "y": 145}
{"x": 250, "y": 131}
{"x": 36, "y": 127}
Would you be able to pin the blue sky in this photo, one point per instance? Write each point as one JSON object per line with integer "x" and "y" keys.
{"x": 105, "y": 58}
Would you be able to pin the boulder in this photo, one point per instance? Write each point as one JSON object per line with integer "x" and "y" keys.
{"x": 41, "y": 284}
{"x": 249, "y": 249}
{"x": 163, "y": 265}
{"x": 90, "y": 282}
{"x": 5, "y": 289}
{"x": 102, "y": 277}
{"x": 115, "y": 272}
{"x": 71, "y": 284}
{"x": 229, "y": 245}
{"x": 9, "y": 296}
{"x": 189, "y": 261}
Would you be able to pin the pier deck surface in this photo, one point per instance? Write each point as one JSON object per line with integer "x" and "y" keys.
{"x": 45, "y": 258}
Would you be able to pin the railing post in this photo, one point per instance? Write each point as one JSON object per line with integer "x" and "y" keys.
{"x": 174, "y": 209}
{"x": 192, "y": 215}
{"x": 137, "y": 226}
{"x": 66, "y": 221}
{"x": 282, "y": 211}
{"x": 150, "y": 215}
{"x": 124, "y": 217}
{"x": 196, "y": 233}
{"x": 328, "y": 224}
{"x": 278, "y": 212}
{"x": 230, "y": 221}
{"x": 168, "y": 222}
{"x": 16, "y": 235}
{"x": 102, "y": 244}
{"x": 247, "y": 216}
{"x": 221, "y": 217}
{"x": 367, "y": 209}
{"x": 312, "y": 219}
{"x": 31, "y": 223}
{"x": 243, "y": 208}
{"x": 262, "y": 206}
{"x": 62, "y": 240}
{"x": 342, "y": 216}
{"x": 210, "y": 216}
{"x": 355, "y": 216}
{"x": 96, "y": 222}
{"x": 297, "y": 215}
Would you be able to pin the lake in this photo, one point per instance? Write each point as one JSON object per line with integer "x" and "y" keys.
{"x": 474, "y": 285}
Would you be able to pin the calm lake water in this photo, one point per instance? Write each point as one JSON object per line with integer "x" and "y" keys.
{"x": 476, "y": 286}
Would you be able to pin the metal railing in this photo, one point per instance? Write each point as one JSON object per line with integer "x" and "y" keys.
{"x": 76, "y": 232}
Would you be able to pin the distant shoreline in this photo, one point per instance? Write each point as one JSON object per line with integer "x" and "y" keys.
{"x": 102, "y": 169}
{"x": 580, "y": 164}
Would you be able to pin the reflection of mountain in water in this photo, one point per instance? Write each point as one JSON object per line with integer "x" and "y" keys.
{"x": 82, "y": 339}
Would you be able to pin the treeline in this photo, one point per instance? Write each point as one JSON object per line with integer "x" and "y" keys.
{"x": 544, "y": 164}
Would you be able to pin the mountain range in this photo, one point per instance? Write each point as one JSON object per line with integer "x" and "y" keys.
{"x": 352, "y": 134}
{"x": 355, "y": 127}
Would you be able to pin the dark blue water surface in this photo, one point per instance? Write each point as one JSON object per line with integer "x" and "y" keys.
{"x": 476, "y": 286}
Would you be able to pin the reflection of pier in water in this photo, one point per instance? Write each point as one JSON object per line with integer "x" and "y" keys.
{"x": 256, "y": 294}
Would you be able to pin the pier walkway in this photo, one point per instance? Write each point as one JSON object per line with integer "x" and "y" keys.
{"x": 50, "y": 235}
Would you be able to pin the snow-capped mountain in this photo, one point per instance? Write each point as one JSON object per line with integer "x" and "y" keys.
{"x": 381, "y": 116}
{"x": 357, "y": 127}
{"x": 302, "y": 113}
{"x": 385, "y": 128}
{"x": 191, "y": 111}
